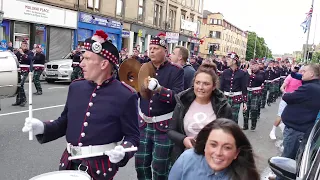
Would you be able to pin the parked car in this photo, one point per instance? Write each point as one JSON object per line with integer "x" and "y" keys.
{"x": 307, "y": 164}
{"x": 59, "y": 70}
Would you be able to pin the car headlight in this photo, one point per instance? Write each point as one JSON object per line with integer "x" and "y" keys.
{"x": 65, "y": 66}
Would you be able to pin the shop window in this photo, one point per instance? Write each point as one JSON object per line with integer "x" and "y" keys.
{"x": 21, "y": 32}
{"x": 40, "y": 36}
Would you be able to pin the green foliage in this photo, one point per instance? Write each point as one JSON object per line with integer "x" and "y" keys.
{"x": 315, "y": 57}
{"x": 261, "y": 49}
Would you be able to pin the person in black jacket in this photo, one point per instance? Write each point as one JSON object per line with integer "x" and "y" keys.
{"x": 195, "y": 108}
{"x": 301, "y": 111}
{"x": 38, "y": 64}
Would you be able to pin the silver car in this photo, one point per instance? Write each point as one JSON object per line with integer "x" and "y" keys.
{"x": 59, "y": 70}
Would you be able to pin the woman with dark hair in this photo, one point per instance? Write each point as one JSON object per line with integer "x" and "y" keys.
{"x": 195, "y": 108}
{"x": 221, "y": 151}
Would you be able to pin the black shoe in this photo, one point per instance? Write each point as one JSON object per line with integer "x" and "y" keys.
{"x": 16, "y": 104}
{"x": 38, "y": 93}
{"x": 245, "y": 128}
{"x": 253, "y": 128}
{"x": 268, "y": 103}
{"x": 23, "y": 103}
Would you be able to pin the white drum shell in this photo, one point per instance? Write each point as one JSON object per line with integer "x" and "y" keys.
{"x": 63, "y": 175}
{"x": 8, "y": 74}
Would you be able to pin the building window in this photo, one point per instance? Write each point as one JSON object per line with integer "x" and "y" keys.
{"x": 93, "y": 4}
{"x": 200, "y": 6}
{"x": 198, "y": 27}
{"x": 140, "y": 11}
{"x": 157, "y": 18}
{"x": 119, "y": 7}
{"x": 183, "y": 2}
{"x": 191, "y": 17}
{"x": 192, "y": 4}
{"x": 215, "y": 34}
{"x": 172, "y": 19}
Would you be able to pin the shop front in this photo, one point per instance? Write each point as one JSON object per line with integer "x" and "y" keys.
{"x": 142, "y": 36}
{"x": 48, "y": 26}
{"x": 88, "y": 24}
{"x": 194, "y": 45}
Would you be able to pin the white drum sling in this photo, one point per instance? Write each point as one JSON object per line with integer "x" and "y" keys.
{"x": 9, "y": 72}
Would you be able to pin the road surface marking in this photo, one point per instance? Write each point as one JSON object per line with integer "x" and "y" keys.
{"x": 38, "y": 109}
{"x": 56, "y": 87}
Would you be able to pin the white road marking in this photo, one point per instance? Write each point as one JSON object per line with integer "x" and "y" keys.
{"x": 57, "y": 88}
{"x": 38, "y": 109}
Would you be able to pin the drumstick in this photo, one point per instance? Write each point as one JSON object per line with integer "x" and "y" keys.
{"x": 30, "y": 100}
{"x": 100, "y": 154}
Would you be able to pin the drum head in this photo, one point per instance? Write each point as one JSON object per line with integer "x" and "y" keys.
{"x": 146, "y": 70}
{"x": 8, "y": 74}
{"x": 63, "y": 175}
{"x": 128, "y": 72}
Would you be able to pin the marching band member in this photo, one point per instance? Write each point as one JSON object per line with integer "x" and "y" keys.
{"x": 155, "y": 146}
{"x": 256, "y": 79}
{"x": 76, "y": 59}
{"x": 234, "y": 85}
{"x": 92, "y": 120}
{"x": 269, "y": 85}
{"x": 24, "y": 56}
{"x": 39, "y": 60}
{"x": 277, "y": 85}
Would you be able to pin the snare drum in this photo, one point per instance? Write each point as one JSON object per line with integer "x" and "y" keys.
{"x": 63, "y": 175}
{"x": 9, "y": 73}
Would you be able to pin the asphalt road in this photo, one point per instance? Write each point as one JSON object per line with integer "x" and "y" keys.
{"x": 22, "y": 159}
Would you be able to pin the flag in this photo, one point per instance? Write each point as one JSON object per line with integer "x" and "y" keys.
{"x": 306, "y": 23}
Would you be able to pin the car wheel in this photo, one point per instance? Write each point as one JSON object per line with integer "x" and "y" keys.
{"x": 50, "y": 80}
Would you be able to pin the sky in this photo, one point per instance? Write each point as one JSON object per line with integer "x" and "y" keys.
{"x": 277, "y": 21}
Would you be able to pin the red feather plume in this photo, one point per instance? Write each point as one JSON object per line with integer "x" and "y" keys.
{"x": 102, "y": 34}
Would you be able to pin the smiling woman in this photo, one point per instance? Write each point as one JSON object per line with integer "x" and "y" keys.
{"x": 221, "y": 151}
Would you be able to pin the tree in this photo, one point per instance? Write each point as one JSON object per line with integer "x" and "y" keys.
{"x": 261, "y": 49}
{"x": 315, "y": 57}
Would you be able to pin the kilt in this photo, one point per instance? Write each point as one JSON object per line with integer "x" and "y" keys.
{"x": 274, "y": 87}
{"x": 235, "y": 109}
{"x": 253, "y": 105}
{"x": 152, "y": 160}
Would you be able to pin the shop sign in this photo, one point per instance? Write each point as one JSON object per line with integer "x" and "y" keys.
{"x": 141, "y": 33}
{"x": 98, "y": 20}
{"x": 125, "y": 34}
{"x": 172, "y": 37}
{"x": 39, "y": 13}
{"x": 193, "y": 40}
{"x": 188, "y": 25}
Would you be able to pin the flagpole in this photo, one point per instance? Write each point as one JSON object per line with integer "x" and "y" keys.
{"x": 306, "y": 48}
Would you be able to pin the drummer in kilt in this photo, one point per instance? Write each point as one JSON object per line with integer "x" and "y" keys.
{"x": 152, "y": 161}
{"x": 256, "y": 79}
{"x": 233, "y": 83}
{"x": 100, "y": 115}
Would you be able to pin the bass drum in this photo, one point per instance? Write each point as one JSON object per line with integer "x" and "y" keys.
{"x": 63, "y": 175}
{"x": 9, "y": 74}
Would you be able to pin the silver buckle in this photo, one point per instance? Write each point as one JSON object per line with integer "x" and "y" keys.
{"x": 86, "y": 168}
{"x": 75, "y": 151}
{"x": 231, "y": 93}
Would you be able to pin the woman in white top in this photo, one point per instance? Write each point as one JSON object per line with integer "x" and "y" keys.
{"x": 196, "y": 107}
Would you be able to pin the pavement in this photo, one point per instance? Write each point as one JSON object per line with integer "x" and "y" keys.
{"x": 22, "y": 159}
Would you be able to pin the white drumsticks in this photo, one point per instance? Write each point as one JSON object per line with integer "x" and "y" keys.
{"x": 30, "y": 104}
{"x": 131, "y": 149}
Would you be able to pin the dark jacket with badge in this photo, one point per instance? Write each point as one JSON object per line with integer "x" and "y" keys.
{"x": 184, "y": 99}
{"x": 96, "y": 115}
{"x": 170, "y": 77}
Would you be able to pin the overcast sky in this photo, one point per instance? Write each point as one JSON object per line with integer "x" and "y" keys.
{"x": 278, "y": 21}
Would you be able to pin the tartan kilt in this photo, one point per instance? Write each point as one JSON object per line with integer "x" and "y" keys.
{"x": 235, "y": 108}
{"x": 274, "y": 87}
{"x": 254, "y": 101}
{"x": 153, "y": 152}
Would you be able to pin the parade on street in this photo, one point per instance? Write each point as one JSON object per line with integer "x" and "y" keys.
{"x": 159, "y": 90}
